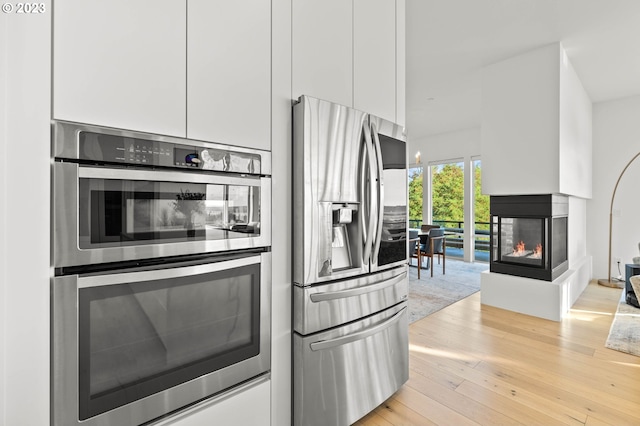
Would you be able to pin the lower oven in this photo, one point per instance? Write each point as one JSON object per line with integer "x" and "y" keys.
{"x": 132, "y": 345}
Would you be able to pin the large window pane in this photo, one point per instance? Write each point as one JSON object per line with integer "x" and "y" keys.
{"x": 415, "y": 197}
{"x": 481, "y": 214}
{"x": 447, "y": 199}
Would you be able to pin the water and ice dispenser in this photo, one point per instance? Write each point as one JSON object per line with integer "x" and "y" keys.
{"x": 340, "y": 246}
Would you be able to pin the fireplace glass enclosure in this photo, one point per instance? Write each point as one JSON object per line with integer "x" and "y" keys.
{"x": 529, "y": 235}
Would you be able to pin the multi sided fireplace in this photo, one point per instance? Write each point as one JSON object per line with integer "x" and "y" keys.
{"x": 529, "y": 235}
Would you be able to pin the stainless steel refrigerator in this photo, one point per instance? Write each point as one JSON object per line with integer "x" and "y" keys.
{"x": 350, "y": 340}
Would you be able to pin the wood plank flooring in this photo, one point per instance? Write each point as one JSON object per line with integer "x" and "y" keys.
{"x": 478, "y": 365}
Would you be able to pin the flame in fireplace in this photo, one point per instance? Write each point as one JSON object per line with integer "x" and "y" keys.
{"x": 537, "y": 253}
{"x": 519, "y": 250}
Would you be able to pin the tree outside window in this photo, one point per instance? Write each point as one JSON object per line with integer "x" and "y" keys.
{"x": 481, "y": 206}
{"x": 447, "y": 194}
{"x": 415, "y": 197}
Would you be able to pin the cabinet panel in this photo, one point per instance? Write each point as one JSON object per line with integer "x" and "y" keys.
{"x": 401, "y": 112}
{"x": 248, "y": 405}
{"x": 229, "y": 72}
{"x": 374, "y": 57}
{"x": 121, "y": 64}
{"x": 322, "y": 50}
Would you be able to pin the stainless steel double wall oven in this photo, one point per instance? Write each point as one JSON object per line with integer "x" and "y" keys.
{"x": 162, "y": 273}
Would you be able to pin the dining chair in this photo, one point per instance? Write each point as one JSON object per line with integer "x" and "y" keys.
{"x": 434, "y": 244}
{"x": 414, "y": 248}
{"x": 426, "y": 227}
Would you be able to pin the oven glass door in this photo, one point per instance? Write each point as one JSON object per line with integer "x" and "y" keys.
{"x": 105, "y": 215}
{"x": 120, "y": 212}
{"x": 140, "y": 333}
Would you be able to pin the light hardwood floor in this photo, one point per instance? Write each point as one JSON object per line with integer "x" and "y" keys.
{"x": 471, "y": 364}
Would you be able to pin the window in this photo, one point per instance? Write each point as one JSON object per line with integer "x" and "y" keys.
{"x": 481, "y": 214}
{"x": 447, "y": 203}
{"x": 415, "y": 197}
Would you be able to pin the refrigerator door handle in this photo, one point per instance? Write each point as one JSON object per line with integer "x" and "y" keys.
{"x": 342, "y": 294}
{"x": 360, "y": 335}
{"x": 368, "y": 208}
{"x": 380, "y": 191}
{"x": 363, "y": 185}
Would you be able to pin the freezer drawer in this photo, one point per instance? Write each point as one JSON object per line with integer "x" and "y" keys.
{"x": 330, "y": 305}
{"x": 342, "y": 374}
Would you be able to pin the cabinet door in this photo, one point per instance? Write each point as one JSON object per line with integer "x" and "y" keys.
{"x": 121, "y": 64}
{"x": 322, "y": 50}
{"x": 374, "y": 57}
{"x": 401, "y": 60}
{"x": 229, "y": 72}
{"x": 245, "y": 405}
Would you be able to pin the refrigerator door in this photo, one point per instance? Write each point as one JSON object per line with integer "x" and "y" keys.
{"x": 332, "y": 235}
{"x": 390, "y": 244}
{"x": 329, "y": 305}
{"x": 343, "y": 373}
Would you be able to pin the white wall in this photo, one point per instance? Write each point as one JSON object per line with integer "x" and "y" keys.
{"x": 520, "y": 124}
{"x": 616, "y": 139}
{"x": 575, "y": 133}
{"x": 577, "y": 232}
{"x": 536, "y": 126}
{"x": 457, "y": 144}
{"x": 25, "y": 75}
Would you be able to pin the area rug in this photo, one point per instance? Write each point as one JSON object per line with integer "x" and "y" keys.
{"x": 624, "y": 335}
{"x": 428, "y": 295}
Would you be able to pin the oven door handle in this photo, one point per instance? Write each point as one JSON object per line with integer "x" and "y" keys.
{"x": 168, "y": 273}
{"x": 185, "y": 177}
{"x": 360, "y": 335}
{"x": 341, "y": 294}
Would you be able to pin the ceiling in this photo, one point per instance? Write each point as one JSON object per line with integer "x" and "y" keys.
{"x": 450, "y": 41}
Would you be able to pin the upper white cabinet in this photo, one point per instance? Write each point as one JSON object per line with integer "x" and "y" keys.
{"x": 229, "y": 72}
{"x": 349, "y": 52}
{"x": 120, "y": 63}
{"x": 322, "y": 51}
{"x": 374, "y": 57}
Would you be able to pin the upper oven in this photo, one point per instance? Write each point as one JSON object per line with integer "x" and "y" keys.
{"x": 121, "y": 196}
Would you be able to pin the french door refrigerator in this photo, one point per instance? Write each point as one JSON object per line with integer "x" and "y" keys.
{"x": 350, "y": 340}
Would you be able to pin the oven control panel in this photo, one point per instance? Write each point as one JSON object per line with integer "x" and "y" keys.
{"x": 111, "y": 148}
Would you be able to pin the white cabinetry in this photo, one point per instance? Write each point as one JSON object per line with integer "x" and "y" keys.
{"x": 247, "y": 405}
{"x": 120, "y": 63}
{"x": 323, "y": 50}
{"x": 374, "y": 57}
{"x": 229, "y": 72}
{"x": 200, "y": 70}
{"x": 348, "y": 52}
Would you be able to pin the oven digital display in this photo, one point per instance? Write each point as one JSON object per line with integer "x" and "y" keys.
{"x": 188, "y": 157}
{"x": 122, "y": 149}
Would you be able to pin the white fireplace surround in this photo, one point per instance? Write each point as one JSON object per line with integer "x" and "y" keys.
{"x": 544, "y": 299}
{"x": 537, "y": 121}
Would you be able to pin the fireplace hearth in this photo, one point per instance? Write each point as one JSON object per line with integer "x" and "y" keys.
{"x": 529, "y": 235}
